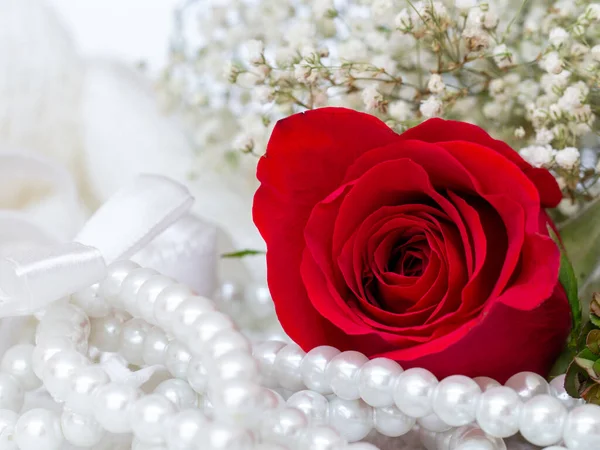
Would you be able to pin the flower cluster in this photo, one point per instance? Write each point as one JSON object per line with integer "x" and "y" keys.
{"x": 526, "y": 71}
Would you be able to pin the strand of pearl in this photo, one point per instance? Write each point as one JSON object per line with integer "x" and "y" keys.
{"x": 377, "y": 377}
{"x": 59, "y": 365}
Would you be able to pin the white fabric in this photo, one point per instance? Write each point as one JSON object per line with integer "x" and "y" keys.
{"x": 32, "y": 279}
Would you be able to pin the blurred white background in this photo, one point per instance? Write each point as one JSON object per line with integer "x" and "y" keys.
{"x": 129, "y": 30}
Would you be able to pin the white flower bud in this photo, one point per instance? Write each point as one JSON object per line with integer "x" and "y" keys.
{"x": 254, "y": 51}
{"x": 403, "y": 20}
{"x": 558, "y": 36}
{"x": 538, "y": 155}
{"x": 372, "y": 98}
{"x": 431, "y": 107}
{"x": 544, "y": 136}
{"x": 520, "y": 133}
{"x": 503, "y": 57}
{"x": 567, "y": 158}
{"x": 400, "y": 110}
{"x": 436, "y": 84}
{"x": 595, "y": 51}
{"x": 552, "y": 63}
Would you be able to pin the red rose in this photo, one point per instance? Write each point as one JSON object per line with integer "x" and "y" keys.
{"x": 429, "y": 247}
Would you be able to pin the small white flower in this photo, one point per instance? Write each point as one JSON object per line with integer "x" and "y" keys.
{"x": 400, "y": 110}
{"x": 244, "y": 143}
{"x": 476, "y": 38}
{"x": 573, "y": 97}
{"x": 371, "y": 97}
{"x": 544, "y": 136}
{"x": 595, "y": 52}
{"x": 568, "y": 207}
{"x": 382, "y": 8}
{"x": 403, "y": 20}
{"x": 305, "y": 74}
{"x": 431, "y": 107}
{"x": 503, "y": 57}
{"x": 592, "y": 12}
{"x": 538, "y": 155}
{"x": 263, "y": 94}
{"x": 552, "y": 63}
{"x": 464, "y": 5}
{"x": 558, "y": 36}
{"x": 436, "y": 84}
{"x": 567, "y": 158}
{"x": 322, "y": 8}
{"x": 520, "y": 133}
{"x": 254, "y": 51}
{"x": 490, "y": 20}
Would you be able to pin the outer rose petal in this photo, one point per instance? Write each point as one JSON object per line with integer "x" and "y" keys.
{"x": 440, "y": 130}
{"x": 306, "y": 159}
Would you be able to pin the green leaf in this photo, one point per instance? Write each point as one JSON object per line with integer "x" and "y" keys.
{"x": 574, "y": 380}
{"x": 242, "y": 253}
{"x": 595, "y": 320}
{"x": 566, "y": 277}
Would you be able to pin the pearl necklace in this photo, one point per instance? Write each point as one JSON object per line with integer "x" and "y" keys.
{"x": 222, "y": 394}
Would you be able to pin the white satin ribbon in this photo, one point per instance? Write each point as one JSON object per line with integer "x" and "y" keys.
{"x": 30, "y": 280}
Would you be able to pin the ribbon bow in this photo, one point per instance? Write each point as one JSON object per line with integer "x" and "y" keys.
{"x": 127, "y": 222}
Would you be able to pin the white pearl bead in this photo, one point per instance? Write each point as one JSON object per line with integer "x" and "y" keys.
{"x": 178, "y": 392}
{"x": 155, "y": 347}
{"x": 206, "y": 327}
{"x": 283, "y": 426}
{"x": 342, "y": 374}
{"x": 432, "y": 422}
{"x": 197, "y": 375}
{"x": 320, "y": 438}
{"x": 148, "y": 293}
{"x": 131, "y": 286}
{"x": 226, "y": 341}
{"x": 557, "y": 389}
{"x": 71, "y": 313}
{"x": 11, "y": 393}
{"x": 238, "y": 402}
{"x": 265, "y": 354}
{"x": 486, "y": 383}
{"x": 58, "y": 371}
{"x": 136, "y": 444}
{"x": 17, "y": 361}
{"x": 106, "y": 331}
{"x": 186, "y": 315}
{"x": 353, "y": 419}
{"x": 390, "y": 421}
{"x": 79, "y": 430}
{"x": 178, "y": 359}
{"x": 82, "y": 385}
{"x": 454, "y": 400}
{"x": 133, "y": 337}
{"x": 542, "y": 420}
{"x": 46, "y": 350}
{"x": 91, "y": 302}
{"x": 8, "y": 420}
{"x": 528, "y": 385}
{"x": 582, "y": 428}
{"x": 360, "y": 446}
{"x": 313, "y": 368}
{"x": 112, "y": 403}
{"x": 311, "y": 403}
{"x": 270, "y": 446}
{"x": 234, "y": 365}
{"x": 471, "y": 437}
{"x": 186, "y": 430}
{"x": 555, "y": 447}
{"x": 167, "y": 302}
{"x": 52, "y": 328}
{"x": 111, "y": 286}
{"x": 39, "y": 429}
{"x": 287, "y": 367}
{"x": 413, "y": 390}
{"x": 226, "y": 437}
{"x": 376, "y": 379}
{"x": 498, "y": 411}
{"x": 148, "y": 416}
{"x": 258, "y": 301}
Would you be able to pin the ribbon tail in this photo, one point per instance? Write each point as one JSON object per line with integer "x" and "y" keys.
{"x": 134, "y": 216}
{"x": 32, "y": 279}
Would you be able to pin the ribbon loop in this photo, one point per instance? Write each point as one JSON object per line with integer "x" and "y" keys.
{"x": 30, "y": 280}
